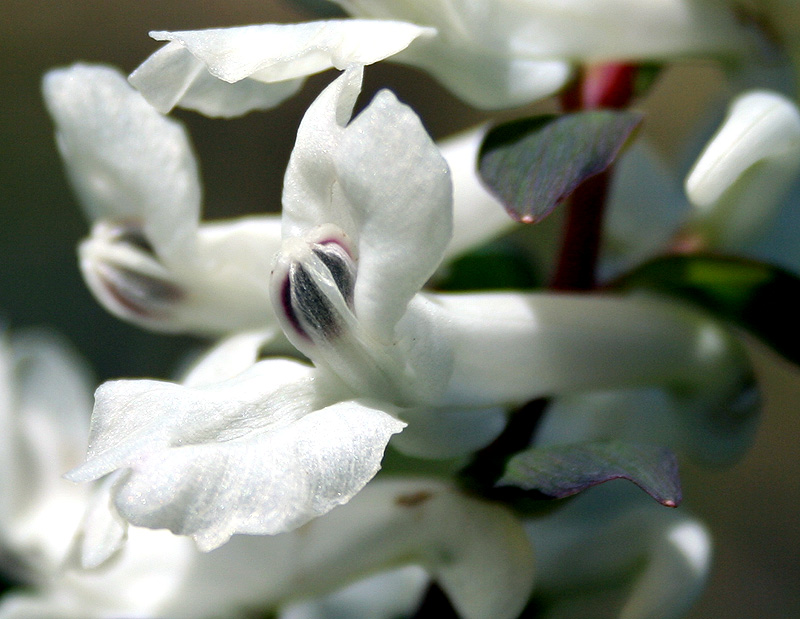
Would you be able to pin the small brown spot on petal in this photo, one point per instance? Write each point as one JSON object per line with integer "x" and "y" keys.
{"x": 412, "y": 500}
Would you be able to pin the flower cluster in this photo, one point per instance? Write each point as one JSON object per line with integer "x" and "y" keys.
{"x": 396, "y": 406}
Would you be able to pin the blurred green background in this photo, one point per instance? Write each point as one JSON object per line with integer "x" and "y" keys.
{"x": 751, "y": 508}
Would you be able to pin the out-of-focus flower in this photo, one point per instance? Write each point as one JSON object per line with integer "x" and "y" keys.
{"x": 739, "y": 183}
{"x": 148, "y": 259}
{"x": 45, "y": 398}
{"x": 613, "y": 552}
{"x": 739, "y": 197}
{"x": 491, "y": 53}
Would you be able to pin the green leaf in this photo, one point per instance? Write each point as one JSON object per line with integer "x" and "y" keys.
{"x": 563, "y": 470}
{"x": 533, "y": 164}
{"x": 761, "y": 298}
{"x": 495, "y": 266}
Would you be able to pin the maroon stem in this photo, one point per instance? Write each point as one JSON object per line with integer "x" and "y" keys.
{"x": 604, "y": 86}
{"x": 577, "y": 261}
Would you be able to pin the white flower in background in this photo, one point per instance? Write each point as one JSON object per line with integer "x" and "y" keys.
{"x": 740, "y": 197}
{"x": 148, "y": 259}
{"x": 609, "y": 552}
{"x": 45, "y": 399}
{"x": 739, "y": 184}
{"x": 614, "y": 552}
{"x": 491, "y": 53}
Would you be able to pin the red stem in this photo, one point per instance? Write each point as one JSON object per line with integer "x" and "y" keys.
{"x": 603, "y": 86}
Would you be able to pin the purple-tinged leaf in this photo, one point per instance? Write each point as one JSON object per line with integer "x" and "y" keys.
{"x": 563, "y": 470}
{"x": 533, "y": 164}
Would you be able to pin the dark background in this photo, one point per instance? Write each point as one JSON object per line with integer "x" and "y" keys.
{"x": 751, "y": 508}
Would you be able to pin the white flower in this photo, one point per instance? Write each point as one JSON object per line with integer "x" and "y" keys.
{"x": 45, "y": 399}
{"x": 491, "y": 53}
{"x": 478, "y": 552}
{"x": 148, "y": 258}
{"x": 743, "y": 175}
{"x": 614, "y": 552}
{"x": 366, "y": 221}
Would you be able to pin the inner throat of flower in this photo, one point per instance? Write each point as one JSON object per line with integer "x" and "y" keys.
{"x": 316, "y": 293}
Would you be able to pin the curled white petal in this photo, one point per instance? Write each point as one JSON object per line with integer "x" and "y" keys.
{"x": 276, "y": 56}
{"x": 174, "y": 76}
{"x": 737, "y": 184}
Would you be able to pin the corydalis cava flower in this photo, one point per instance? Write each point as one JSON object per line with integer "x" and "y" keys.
{"x": 491, "y": 53}
{"x": 270, "y": 445}
{"x": 149, "y": 258}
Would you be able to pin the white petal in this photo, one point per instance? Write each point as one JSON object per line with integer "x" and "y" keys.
{"x": 173, "y": 76}
{"x": 610, "y": 533}
{"x": 126, "y": 161}
{"x": 310, "y": 175}
{"x": 488, "y": 77}
{"x": 476, "y": 550}
{"x": 573, "y": 29}
{"x": 102, "y": 533}
{"x": 398, "y": 187}
{"x": 277, "y": 56}
{"x": 384, "y": 596}
{"x": 266, "y": 483}
{"x": 43, "y": 419}
{"x": 269, "y": 394}
{"x": 506, "y": 53}
{"x": 510, "y": 347}
{"x": 245, "y": 456}
{"x": 745, "y": 171}
{"x": 382, "y": 181}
